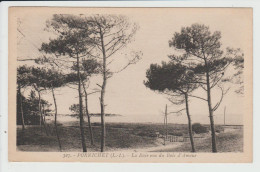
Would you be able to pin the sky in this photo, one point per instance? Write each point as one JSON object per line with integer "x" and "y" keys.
{"x": 126, "y": 93}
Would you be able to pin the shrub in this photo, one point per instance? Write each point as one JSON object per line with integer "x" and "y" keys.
{"x": 176, "y": 133}
{"x": 198, "y": 128}
{"x": 146, "y": 134}
{"x": 219, "y": 129}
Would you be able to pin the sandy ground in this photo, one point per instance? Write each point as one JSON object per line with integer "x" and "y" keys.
{"x": 169, "y": 145}
{"x": 159, "y": 147}
{"x": 153, "y": 149}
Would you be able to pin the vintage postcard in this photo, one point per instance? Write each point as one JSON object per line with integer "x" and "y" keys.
{"x": 130, "y": 85}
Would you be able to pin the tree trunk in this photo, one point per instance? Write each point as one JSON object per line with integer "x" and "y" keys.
{"x": 21, "y": 107}
{"x": 55, "y": 119}
{"x": 87, "y": 113}
{"x": 81, "y": 119}
{"x": 164, "y": 125}
{"x": 103, "y": 90}
{"x": 44, "y": 117}
{"x": 211, "y": 117}
{"x": 189, "y": 123}
{"x": 40, "y": 122}
{"x": 225, "y": 116}
{"x": 103, "y": 127}
{"x": 166, "y": 121}
{"x": 43, "y": 112}
{"x": 40, "y": 111}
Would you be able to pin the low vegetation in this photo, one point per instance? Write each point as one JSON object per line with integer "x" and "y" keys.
{"x": 123, "y": 135}
{"x": 227, "y": 142}
{"x": 198, "y": 128}
{"x": 120, "y": 136}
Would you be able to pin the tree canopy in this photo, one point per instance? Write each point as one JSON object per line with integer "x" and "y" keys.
{"x": 170, "y": 77}
{"x": 40, "y": 77}
{"x": 202, "y": 49}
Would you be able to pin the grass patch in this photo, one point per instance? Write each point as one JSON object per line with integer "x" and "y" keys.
{"x": 118, "y": 136}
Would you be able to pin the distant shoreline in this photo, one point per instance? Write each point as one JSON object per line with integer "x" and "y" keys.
{"x": 92, "y": 114}
{"x": 117, "y": 118}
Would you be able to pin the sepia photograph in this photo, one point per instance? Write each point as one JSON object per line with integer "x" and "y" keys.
{"x": 130, "y": 84}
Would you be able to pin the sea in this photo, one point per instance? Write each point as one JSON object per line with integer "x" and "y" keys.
{"x": 230, "y": 119}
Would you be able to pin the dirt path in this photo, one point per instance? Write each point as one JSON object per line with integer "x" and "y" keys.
{"x": 158, "y": 148}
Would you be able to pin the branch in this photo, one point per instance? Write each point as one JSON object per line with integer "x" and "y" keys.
{"x": 196, "y": 55}
{"x": 177, "y": 112}
{"x": 25, "y": 59}
{"x": 202, "y": 87}
{"x": 99, "y": 85}
{"x": 93, "y": 92}
{"x": 72, "y": 87}
{"x": 20, "y": 32}
{"x": 198, "y": 82}
{"x": 198, "y": 97}
{"x": 218, "y": 70}
{"x": 216, "y": 81}
{"x": 110, "y": 62}
{"x": 222, "y": 95}
{"x": 133, "y": 61}
{"x": 123, "y": 68}
{"x": 115, "y": 43}
{"x": 222, "y": 74}
{"x": 114, "y": 33}
{"x": 177, "y": 101}
{"x": 116, "y": 50}
{"x": 170, "y": 94}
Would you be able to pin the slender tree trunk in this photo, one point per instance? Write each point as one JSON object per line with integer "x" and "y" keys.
{"x": 40, "y": 122}
{"x": 166, "y": 121}
{"x": 189, "y": 123}
{"x": 40, "y": 110}
{"x": 21, "y": 107}
{"x": 211, "y": 117}
{"x": 55, "y": 119}
{"x": 81, "y": 119}
{"x": 164, "y": 125}
{"x": 87, "y": 113}
{"x": 44, "y": 119}
{"x": 23, "y": 125}
{"x": 103, "y": 90}
{"x": 225, "y": 116}
{"x": 44, "y": 115}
